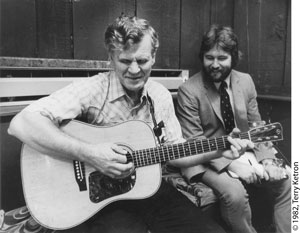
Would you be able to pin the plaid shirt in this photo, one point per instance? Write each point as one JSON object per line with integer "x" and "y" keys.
{"x": 101, "y": 100}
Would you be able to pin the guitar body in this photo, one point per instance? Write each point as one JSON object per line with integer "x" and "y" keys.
{"x": 50, "y": 188}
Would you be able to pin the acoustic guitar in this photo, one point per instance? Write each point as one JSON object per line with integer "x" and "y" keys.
{"x": 62, "y": 194}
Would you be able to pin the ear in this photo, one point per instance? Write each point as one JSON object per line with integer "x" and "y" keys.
{"x": 153, "y": 58}
{"x": 111, "y": 61}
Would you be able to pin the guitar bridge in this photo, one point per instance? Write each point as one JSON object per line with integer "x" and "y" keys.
{"x": 79, "y": 171}
{"x": 102, "y": 187}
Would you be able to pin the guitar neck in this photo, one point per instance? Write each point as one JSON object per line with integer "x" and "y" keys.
{"x": 161, "y": 154}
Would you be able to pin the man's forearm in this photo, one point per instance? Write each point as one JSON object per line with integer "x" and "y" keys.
{"x": 195, "y": 159}
{"x": 43, "y": 135}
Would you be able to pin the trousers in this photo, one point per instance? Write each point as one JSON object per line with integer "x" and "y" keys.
{"x": 234, "y": 201}
{"x": 167, "y": 211}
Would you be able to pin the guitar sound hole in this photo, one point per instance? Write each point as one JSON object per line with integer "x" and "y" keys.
{"x": 103, "y": 187}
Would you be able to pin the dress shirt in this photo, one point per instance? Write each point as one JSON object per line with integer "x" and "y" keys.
{"x": 228, "y": 89}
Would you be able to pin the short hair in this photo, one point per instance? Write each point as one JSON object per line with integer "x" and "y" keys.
{"x": 224, "y": 38}
{"x": 125, "y": 31}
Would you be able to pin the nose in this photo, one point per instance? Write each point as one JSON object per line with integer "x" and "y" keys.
{"x": 134, "y": 68}
{"x": 215, "y": 64}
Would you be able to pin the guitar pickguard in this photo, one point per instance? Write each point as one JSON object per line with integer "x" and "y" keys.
{"x": 103, "y": 187}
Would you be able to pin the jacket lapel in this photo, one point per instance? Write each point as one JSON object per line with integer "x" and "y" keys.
{"x": 240, "y": 111}
{"x": 214, "y": 97}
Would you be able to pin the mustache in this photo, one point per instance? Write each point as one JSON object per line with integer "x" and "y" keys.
{"x": 215, "y": 69}
{"x": 220, "y": 72}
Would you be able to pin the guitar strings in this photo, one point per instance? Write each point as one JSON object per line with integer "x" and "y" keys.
{"x": 169, "y": 152}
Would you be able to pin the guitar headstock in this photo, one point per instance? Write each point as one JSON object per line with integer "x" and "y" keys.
{"x": 270, "y": 132}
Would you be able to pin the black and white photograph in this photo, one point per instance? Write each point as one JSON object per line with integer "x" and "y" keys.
{"x": 148, "y": 116}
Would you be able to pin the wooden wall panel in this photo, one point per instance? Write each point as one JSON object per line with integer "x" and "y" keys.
{"x": 165, "y": 18}
{"x": 194, "y": 22}
{"x": 222, "y": 12}
{"x": 54, "y": 29}
{"x": 17, "y": 28}
{"x": 287, "y": 69}
{"x": 197, "y": 16}
{"x": 241, "y": 28}
{"x": 74, "y": 29}
{"x": 264, "y": 40}
{"x": 91, "y": 18}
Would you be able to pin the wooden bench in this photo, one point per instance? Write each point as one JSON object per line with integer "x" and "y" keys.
{"x": 17, "y": 92}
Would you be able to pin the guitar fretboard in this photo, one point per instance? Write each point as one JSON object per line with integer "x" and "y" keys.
{"x": 161, "y": 154}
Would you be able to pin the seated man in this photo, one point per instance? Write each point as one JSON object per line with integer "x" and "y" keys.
{"x": 123, "y": 94}
{"x": 210, "y": 104}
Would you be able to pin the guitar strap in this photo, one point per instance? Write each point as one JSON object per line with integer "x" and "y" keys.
{"x": 157, "y": 129}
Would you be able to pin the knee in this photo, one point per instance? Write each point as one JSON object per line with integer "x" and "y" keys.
{"x": 234, "y": 196}
{"x": 282, "y": 188}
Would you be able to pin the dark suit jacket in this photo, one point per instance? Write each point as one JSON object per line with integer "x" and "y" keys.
{"x": 200, "y": 116}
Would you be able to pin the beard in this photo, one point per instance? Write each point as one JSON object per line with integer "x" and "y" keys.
{"x": 217, "y": 75}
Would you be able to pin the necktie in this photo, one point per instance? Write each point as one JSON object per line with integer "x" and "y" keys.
{"x": 226, "y": 110}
